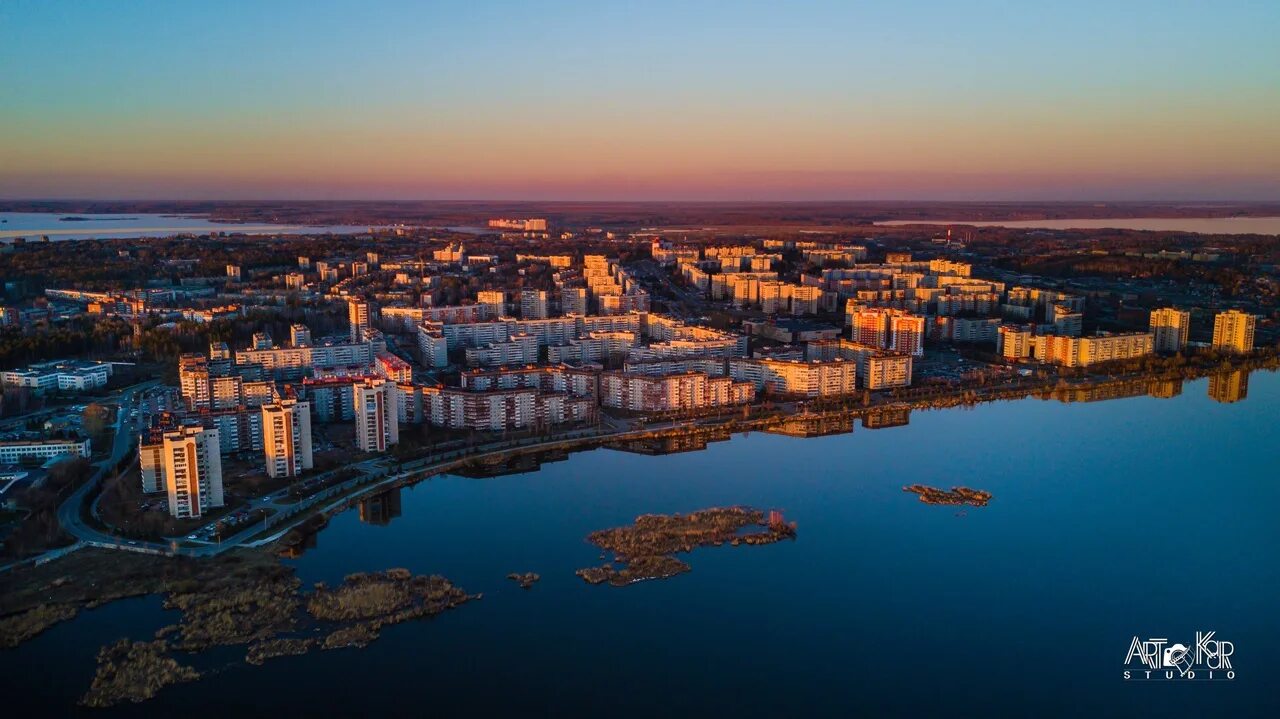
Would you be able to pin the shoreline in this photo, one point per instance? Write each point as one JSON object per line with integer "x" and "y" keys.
{"x": 809, "y": 418}
{"x": 712, "y": 427}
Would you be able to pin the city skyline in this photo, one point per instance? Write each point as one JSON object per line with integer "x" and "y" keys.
{"x": 522, "y": 101}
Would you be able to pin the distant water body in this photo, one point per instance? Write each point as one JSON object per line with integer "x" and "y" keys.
{"x": 1133, "y": 517}
{"x": 32, "y": 225}
{"x": 1205, "y": 225}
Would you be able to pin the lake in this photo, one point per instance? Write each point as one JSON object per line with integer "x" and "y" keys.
{"x": 1132, "y": 517}
{"x": 1206, "y": 225}
{"x": 32, "y": 225}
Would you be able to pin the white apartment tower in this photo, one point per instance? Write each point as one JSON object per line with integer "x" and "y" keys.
{"x": 1170, "y": 327}
{"x": 192, "y": 471}
{"x": 286, "y": 437}
{"x": 533, "y": 304}
{"x": 358, "y": 318}
{"x": 573, "y": 301}
{"x": 299, "y": 335}
{"x": 376, "y": 414}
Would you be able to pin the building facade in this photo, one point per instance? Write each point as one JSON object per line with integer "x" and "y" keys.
{"x": 286, "y": 438}
{"x": 1233, "y": 331}
{"x": 192, "y": 471}
{"x": 377, "y": 422}
{"x": 1170, "y": 327}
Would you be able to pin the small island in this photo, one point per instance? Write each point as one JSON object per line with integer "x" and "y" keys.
{"x": 645, "y": 549}
{"x": 957, "y": 495}
{"x": 526, "y": 580}
{"x": 77, "y": 218}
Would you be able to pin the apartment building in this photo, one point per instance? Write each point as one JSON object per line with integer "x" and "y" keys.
{"x": 358, "y": 319}
{"x": 377, "y": 422}
{"x": 286, "y": 437}
{"x": 493, "y": 302}
{"x": 1084, "y": 351}
{"x": 192, "y": 471}
{"x": 817, "y": 378}
{"x": 433, "y": 348}
{"x": 1233, "y": 331}
{"x": 1171, "y": 328}
{"x": 671, "y": 392}
{"x": 573, "y": 301}
{"x": 877, "y": 368}
{"x": 519, "y": 349}
{"x": 1013, "y": 342}
{"x": 299, "y": 335}
{"x": 533, "y": 304}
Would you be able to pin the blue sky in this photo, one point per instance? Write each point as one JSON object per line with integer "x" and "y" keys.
{"x": 512, "y": 99}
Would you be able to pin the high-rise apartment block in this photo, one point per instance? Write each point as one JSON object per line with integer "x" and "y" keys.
{"x": 533, "y": 304}
{"x": 1233, "y": 331}
{"x": 192, "y": 471}
{"x": 286, "y": 437}
{"x": 358, "y": 318}
{"x": 573, "y": 300}
{"x": 494, "y": 303}
{"x": 870, "y": 327}
{"x": 1014, "y": 342}
{"x": 906, "y": 334}
{"x": 300, "y": 336}
{"x": 888, "y": 329}
{"x": 376, "y": 415}
{"x": 1170, "y": 327}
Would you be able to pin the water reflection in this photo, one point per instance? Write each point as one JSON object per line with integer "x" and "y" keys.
{"x": 1158, "y": 388}
{"x": 887, "y": 417}
{"x": 381, "y": 508}
{"x": 1229, "y": 387}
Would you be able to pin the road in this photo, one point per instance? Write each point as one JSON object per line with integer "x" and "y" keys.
{"x": 69, "y": 512}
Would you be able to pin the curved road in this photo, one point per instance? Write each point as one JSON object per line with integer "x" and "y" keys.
{"x": 69, "y": 511}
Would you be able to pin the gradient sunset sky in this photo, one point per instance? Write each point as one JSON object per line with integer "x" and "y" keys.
{"x": 645, "y": 100}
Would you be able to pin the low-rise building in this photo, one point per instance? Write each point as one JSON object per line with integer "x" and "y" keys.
{"x": 14, "y": 451}
{"x": 62, "y": 375}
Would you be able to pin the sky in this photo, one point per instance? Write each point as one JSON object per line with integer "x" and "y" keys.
{"x": 647, "y": 100}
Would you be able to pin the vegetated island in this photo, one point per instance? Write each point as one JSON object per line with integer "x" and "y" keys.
{"x": 957, "y": 495}
{"x": 526, "y": 580}
{"x": 645, "y": 549}
{"x": 242, "y": 598}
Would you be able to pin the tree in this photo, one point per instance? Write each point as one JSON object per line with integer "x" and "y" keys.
{"x": 95, "y": 420}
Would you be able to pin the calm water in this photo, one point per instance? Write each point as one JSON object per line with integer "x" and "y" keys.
{"x": 32, "y": 225}
{"x": 1209, "y": 225}
{"x": 1141, "y": 516}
